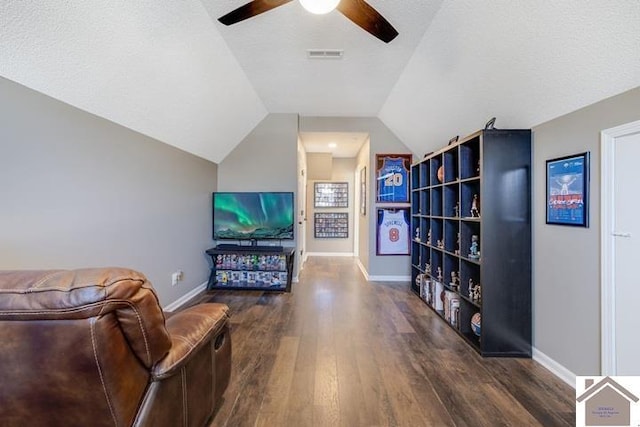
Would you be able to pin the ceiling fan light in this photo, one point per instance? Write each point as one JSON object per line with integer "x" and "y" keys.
{"x": 319, "y": 7}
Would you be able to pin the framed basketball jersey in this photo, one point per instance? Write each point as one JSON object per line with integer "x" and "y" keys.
{"x": 392, "y": 235}
{"x": 392, "y": 178}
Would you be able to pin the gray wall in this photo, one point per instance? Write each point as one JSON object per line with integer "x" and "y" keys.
{"x": 381, "y": 140}
{"x": 266, "y": 160}
{"x": 80, "y": 191}
{"x": 342, "y": 170}
{"x": 567, "y": 259}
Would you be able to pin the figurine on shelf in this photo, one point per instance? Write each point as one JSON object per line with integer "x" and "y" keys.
{"x": 440, "y": 244}
{"x": 454, "y": 281}
{"x": 477, "y": 294}
{"x": 429, "y": 237}
{"x": 474, "y": 252}
{"x": 439, "y": 274}
{"x": 471, "y": 288}
{"x": 475, "y": 207}
{"x": 427, "y": 268}
{"x": 417, "y": 234}
{"x": 457, "y": 251}
{"x": 456, "y": 210}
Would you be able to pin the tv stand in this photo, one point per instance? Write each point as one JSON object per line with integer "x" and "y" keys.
{"x": 266, "y": 268}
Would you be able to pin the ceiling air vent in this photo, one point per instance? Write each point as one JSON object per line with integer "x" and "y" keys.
{"x": 325, "y": 53}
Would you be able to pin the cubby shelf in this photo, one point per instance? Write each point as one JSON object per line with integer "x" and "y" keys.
{"x": 471, "y": 216}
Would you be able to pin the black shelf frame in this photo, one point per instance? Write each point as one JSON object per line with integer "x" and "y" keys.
{"x": 491, "y": 164}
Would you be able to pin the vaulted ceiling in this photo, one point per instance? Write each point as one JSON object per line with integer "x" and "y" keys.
{"x": 170, "y": 70}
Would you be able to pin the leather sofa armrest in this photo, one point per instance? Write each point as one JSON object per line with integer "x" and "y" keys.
{"x": 189, "y": 330}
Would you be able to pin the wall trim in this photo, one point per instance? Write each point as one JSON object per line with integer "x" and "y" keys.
{"x": 344, "y": 254}
{"x": 369, "y": 278}
{"x": 389, "y": 278}
{"x": 554, "y": 367}
{"x": 362, "y": 269}
{"x": 186, "y": 298}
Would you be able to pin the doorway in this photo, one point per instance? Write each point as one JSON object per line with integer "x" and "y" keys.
{"x": 620, "y": 235}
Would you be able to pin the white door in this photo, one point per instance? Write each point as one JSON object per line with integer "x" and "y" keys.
{"x": 619, "y": 238}
{"x": 626, "y": 238}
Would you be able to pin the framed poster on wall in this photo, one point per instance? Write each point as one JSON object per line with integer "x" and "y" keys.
{"x": 392, "y": 178}
{"x": 331, "y": 225}
{"x": 392, "y": 231}
{"x": 567, "y": 190}
{"x": 331, "y": 195}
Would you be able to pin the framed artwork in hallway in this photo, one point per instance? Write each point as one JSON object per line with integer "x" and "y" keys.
{"x": 392, "y": 231}
{"x": 392, "y": 178}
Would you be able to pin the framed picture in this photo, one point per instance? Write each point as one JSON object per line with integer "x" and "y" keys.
{"x": 568, "y": 190}
{"x": 331, "y": 195}
{"x": 392, "y": 178}
{"x": 392, "y": 231}
{"x": 363, "y": 191}
{"x": 331, "y": 225}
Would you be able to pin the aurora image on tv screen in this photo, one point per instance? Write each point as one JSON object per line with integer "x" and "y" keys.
{"x": 253, "y": 216}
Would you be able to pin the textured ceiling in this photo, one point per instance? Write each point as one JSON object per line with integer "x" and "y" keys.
{"x": 169, "y": 70}
{"x": 272, "y": 50}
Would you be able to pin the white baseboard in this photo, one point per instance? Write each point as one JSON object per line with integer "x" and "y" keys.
{"x": 556, "y": 368}
{"x": 346, "y": 254}
{"x": 186, "y": 298}
{"x": 369, "y": 278}
{"x": 389, "y": 278}
{"x": 362, "y": 269}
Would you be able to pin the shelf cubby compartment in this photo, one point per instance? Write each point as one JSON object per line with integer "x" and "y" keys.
{"x": 416, "y": 254}
{"x": 415, "y": 176}
{"x": 451, "y": 264}
{"x": 469, "y": 275}
{"x": 415, "y": 202}
{"x": 451, "y": 230}
{"x": 469, "y": 153}
{"x": 451, "y": 200}
{"x": 469, "y": 190}
{"x": 436, "y": 263}
{"x": 434, "y": 165}
{"x": 467, "y": 310}
{"x": 425, "y": 203}
{"x": 423, "y": 172}
{"x": 468, "y": 229}
{"x": 450, "y": 163}
{"x": 436, "y": 201}
{"x": 435, "y": 225}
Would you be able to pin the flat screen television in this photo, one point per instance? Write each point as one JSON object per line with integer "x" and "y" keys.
{"x": 266, "y": 215}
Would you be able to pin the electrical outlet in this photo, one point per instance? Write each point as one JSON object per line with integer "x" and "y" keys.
{"x": 176, "y": 277}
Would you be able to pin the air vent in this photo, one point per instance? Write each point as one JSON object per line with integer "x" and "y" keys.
{"x": 325, "y": 53}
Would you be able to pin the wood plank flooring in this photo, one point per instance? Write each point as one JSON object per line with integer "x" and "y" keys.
{"x": 341, "y": 351}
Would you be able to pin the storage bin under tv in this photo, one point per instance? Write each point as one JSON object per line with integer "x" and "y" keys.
{"x": 266, "y": 268}
{"x": 493, "y": 281}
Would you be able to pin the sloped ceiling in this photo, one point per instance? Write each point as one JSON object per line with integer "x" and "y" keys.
{"x": 524, "y": 62}
{"x": 169, "y": 70}
{"x": 159, "y": 67}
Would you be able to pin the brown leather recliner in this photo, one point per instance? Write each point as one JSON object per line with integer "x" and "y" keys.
{"x": 92, "y": 348}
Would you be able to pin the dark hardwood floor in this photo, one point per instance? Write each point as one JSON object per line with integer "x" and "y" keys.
{"x": 341, "y": 351}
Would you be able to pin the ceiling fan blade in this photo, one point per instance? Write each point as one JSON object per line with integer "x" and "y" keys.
{"x": 251, "y": 9}
{"x": 368, "y": 19}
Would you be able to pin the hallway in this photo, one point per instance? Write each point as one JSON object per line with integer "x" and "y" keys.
{"x": 341, "y": 351}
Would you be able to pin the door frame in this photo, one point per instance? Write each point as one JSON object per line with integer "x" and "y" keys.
{"x": 607, "y": 254}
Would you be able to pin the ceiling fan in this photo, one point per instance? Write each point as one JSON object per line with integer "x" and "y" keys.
{"x": 358, "y": 11}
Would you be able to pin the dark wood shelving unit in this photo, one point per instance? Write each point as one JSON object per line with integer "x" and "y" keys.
{"x": 494, "y": 167}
